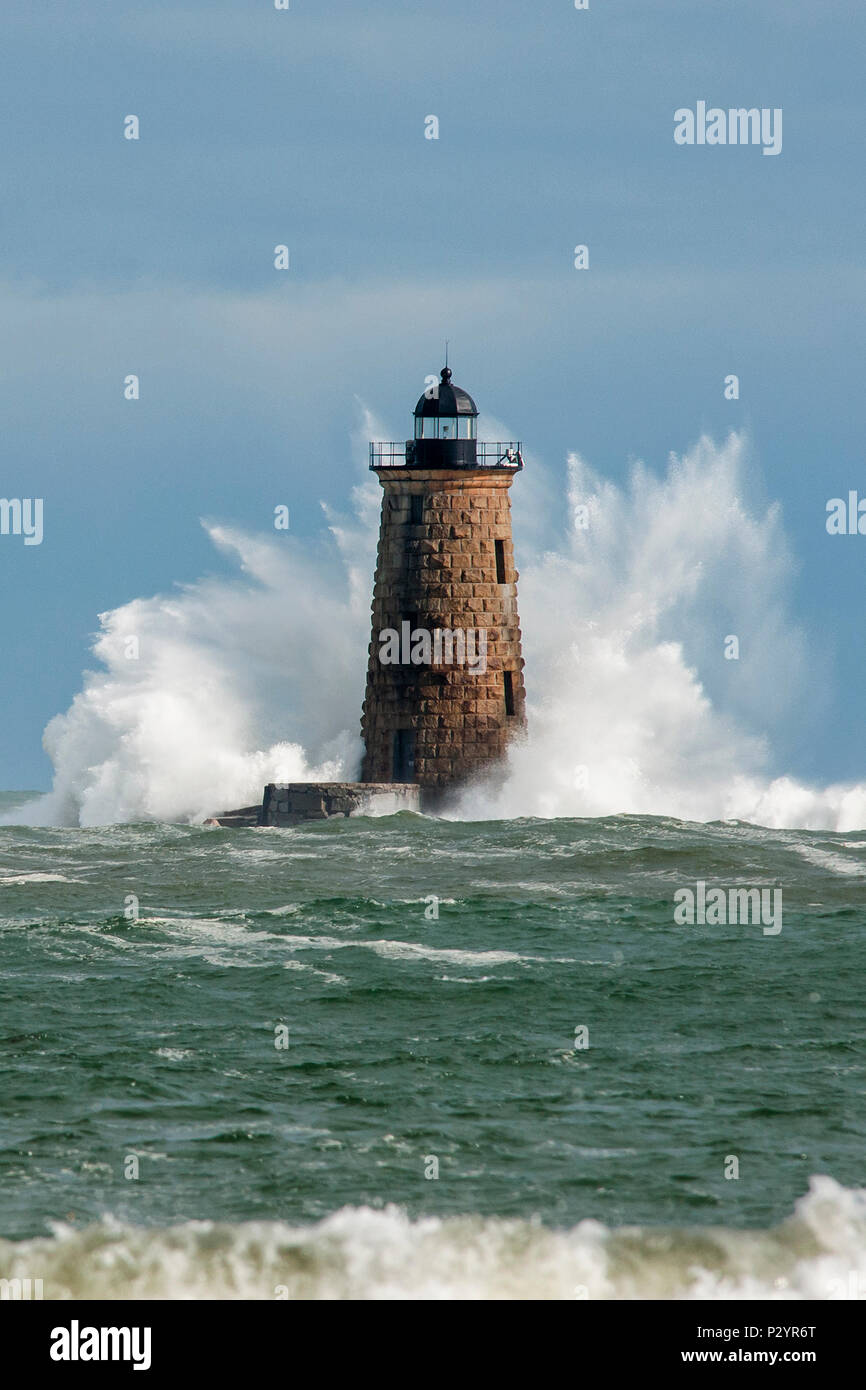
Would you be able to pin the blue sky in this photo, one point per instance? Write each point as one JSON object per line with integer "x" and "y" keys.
{"x": 261, "y": 127}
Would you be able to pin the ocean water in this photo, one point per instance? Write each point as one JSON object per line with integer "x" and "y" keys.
{"x": 418, "y": 1041}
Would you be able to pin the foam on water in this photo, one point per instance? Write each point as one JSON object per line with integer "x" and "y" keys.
{"x": 839, "y": 864}
{"x": 34, "y": 877}
{"x": 620, "y": 718}
{"x": 359, "y": 1253}
{"x": 412, "y": 950}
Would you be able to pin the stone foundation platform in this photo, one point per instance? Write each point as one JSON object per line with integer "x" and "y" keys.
{"x": 291, "y": 803}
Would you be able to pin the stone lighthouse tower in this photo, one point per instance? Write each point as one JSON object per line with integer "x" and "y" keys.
{"x": 445, "y": 673}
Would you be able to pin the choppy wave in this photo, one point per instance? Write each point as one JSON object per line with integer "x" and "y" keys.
{"x": 360, "y": 1253}
{"x": 841, "y": 864}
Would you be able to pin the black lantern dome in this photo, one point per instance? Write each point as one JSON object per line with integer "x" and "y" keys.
{"x": 446, "y": 435}
{"x": 446, "y": 426}
{"x": 445, "y": 399}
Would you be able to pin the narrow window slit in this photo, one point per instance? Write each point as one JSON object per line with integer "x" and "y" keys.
{"x": 508, "y": 682}
{"x": 500, "y": 562}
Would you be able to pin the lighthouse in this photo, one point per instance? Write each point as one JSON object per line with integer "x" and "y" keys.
{"x": 444, "y": 672}
{"x": 445, "y": 689}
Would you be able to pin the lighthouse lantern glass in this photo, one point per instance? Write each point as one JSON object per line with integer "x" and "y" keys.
{"x": 445, "y": 427}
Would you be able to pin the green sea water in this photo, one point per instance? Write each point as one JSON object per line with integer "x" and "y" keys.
{"x": 287, "y": 1033}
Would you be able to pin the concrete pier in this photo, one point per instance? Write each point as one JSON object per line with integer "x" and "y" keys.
{"x": 292, "y": 803}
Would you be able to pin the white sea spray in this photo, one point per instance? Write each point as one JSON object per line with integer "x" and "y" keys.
{"x": 625, "y": 611}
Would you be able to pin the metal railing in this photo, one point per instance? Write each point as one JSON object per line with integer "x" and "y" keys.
{"x": 499, "y": 454}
